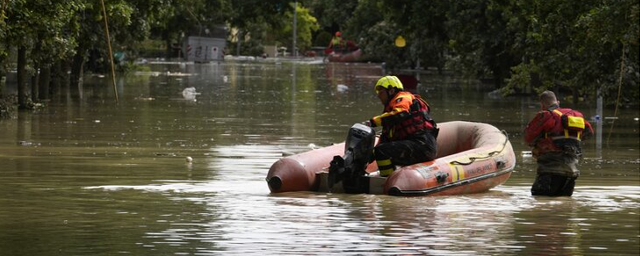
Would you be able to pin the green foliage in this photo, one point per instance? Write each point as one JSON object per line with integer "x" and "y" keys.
{"x": 335, "y": 14}
{"x": 149, "y": 48}
{"x": 252, "y": 40}
{"x": 523, "y": 45}
{"x": 579, "y": 46}
{"x": 41, "y": 24}
{"x": 174, "y": 19}
{"x": 261, "y": 26}
{"x": 322, "y": 39}
{"x": 8, "y": 107}
{"x": 243, "y": 13}
{"x": 609, "y": 34}
{"x": 482, "y": 36}
{"x": 372, "y": 34}
{"x": 306, "y": 25}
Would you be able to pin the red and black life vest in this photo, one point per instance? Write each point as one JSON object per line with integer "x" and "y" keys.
{"x": 570, "y": 124}
{"x": 418, "y": 120}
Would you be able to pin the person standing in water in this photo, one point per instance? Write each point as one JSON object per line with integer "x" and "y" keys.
{"x": 556, "y": 136}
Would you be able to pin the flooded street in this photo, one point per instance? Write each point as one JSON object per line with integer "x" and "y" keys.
{"x": 89, "y": 176}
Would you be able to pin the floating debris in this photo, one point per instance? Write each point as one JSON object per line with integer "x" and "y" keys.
{"x": 145, "y": 98}
{"x": 190, "y": 93}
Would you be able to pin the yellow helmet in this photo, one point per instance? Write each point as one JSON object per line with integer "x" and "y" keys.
{"x": 388, "y": 82}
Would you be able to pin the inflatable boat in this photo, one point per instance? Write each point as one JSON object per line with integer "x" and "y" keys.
{"x": 352, "y": 56}
{"x": 472, "y": 158}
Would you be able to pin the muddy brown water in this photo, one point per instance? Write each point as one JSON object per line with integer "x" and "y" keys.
{"x": 89, "y": 176}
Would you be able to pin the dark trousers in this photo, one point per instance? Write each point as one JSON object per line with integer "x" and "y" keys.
{"x": 556, "y": 175}
{"x": 548, "y": 184}
{"x": 417, "y": 149}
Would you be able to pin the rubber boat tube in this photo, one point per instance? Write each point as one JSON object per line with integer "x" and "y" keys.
{"x": 345, "y": 57}
{"x": 472, "y": 158}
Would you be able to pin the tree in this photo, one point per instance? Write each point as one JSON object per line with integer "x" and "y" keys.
{"x": 306, "y": 26}
{"x": 579, "y": 47}
{"x": 40, "y": 30}
{"x": 174, "y": 19}
{"x": 333, "y": 15}
{"x": 481, "y": 38}
{"x": 251, "y": 19}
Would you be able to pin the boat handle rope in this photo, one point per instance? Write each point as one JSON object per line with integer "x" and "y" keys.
{"x": 489, "y": 155}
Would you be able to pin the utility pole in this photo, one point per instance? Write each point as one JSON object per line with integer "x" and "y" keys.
{"x": 295, "y": 29}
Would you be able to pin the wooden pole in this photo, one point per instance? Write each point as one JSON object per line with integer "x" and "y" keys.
{"x": 106, "y": 30}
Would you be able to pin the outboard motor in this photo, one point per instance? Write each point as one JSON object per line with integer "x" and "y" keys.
{"x": 358, "y": 152}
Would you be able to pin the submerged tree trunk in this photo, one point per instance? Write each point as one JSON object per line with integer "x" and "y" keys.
{"x": 3, "y": 78}
{"x": 535, "y": 82}
{"x": 43, "y": 86}
{"x": 35, "y": 80}
{"x": 22, "y": 83}
{"x": 167, "y": 40}
{"x": 76, "y": 74}
{"x": 56, "y": 81}
{"x": 2, "y": 83}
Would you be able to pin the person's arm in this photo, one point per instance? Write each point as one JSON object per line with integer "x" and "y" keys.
{"x": 536, "y": 128}
{"x": 399, "y": 113}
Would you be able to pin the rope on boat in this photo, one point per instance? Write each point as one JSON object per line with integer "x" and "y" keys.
{"x": 489, "y": 155}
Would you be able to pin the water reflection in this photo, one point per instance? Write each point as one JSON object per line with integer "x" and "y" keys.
{"x": 239, "y": 218}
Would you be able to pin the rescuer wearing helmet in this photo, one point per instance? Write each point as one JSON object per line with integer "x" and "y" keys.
{"x": 337, "y": 44}
{"x": 408, "y": 132}
{"x": 555, "y": 134}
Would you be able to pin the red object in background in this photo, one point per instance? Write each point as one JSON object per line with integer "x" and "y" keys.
{"x": 345, "y": 57}
{"x": 409, "y": 82}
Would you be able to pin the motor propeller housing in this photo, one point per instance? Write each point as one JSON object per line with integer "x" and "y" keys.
{"x": 350, "y": 168}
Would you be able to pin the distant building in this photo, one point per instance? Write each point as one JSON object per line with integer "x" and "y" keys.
{"x": 205, "y": 45}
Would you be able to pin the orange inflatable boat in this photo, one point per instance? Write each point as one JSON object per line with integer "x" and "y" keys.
{"x": 472, "y": 158}
{"x": 345, "y": 57}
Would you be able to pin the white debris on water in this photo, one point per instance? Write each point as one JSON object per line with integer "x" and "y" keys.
{"x": 342, "y": 88}
{"x": 190, "y": 93}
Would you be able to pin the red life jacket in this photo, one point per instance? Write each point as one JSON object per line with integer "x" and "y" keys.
{"x": 418, "y": 120}
{"x": 570, "y": 124}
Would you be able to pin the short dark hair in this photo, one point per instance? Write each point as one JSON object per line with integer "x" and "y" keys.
{"x": 548, "y": 98}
